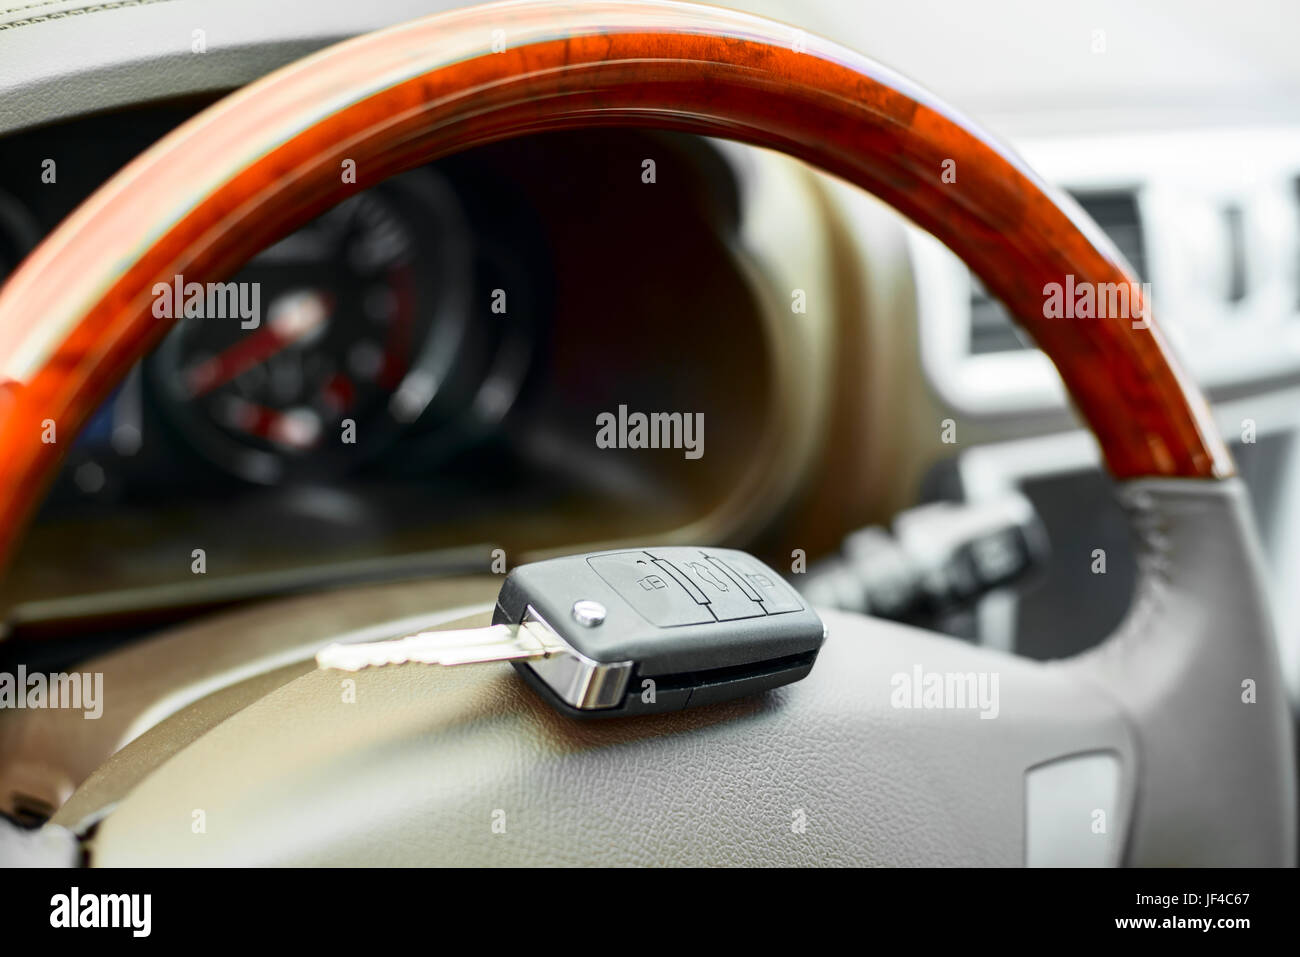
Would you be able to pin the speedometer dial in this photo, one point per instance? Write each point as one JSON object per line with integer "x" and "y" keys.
{"x": 330, "y": 342}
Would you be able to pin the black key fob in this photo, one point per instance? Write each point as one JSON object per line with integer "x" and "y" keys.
{"x": 659, "y": 630}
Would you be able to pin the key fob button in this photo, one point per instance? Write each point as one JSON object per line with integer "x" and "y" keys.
{"x": 589, "y": 613}
{"x": 777, "y": 597}
{"x": 727, "y": 600}
{"x": 684, "y": 581}
{"x": 740, "y": 580}
{"x": 651, "y": 590}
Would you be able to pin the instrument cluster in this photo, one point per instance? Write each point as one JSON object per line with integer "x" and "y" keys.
{"x": 384, "y": 337}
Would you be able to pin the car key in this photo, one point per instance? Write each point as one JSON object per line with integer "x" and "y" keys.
{"x": 629, "y": 631}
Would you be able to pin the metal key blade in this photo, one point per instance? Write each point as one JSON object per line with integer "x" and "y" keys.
{"x": 460, "y": 647}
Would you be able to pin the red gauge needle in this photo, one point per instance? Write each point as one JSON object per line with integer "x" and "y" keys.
{"x": 292, "y": 318}
{"x": 339, "y": 393}
{"x": 298, "y": 428}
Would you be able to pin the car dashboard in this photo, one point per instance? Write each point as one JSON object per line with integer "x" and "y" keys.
{"x": 468, "y": 325}
{"x": 414, "y": 386}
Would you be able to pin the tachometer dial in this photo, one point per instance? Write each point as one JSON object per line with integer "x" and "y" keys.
{"x": 329, "y": 342}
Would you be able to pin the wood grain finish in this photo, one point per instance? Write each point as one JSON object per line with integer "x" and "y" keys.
{"x": 77, "y": 314}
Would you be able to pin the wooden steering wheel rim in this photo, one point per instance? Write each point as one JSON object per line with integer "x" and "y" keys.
{"x": 78, "y": 313}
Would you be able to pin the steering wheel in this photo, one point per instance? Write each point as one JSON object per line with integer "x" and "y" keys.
{"x": 1169, "y": 744}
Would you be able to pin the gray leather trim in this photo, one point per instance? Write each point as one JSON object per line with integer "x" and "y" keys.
{"x": 416, "y": 769}
{"x": 1217, "y": 779}
{"x": 64, "y": 59}
{"x": 47, "y": 753}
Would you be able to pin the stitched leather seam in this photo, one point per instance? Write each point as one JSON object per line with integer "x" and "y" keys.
{"x": 1150, "y": 520}
{"x": 31, "y": 6}
{"x": 65, "y": 14}
{"x": 1150, "y": 524}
